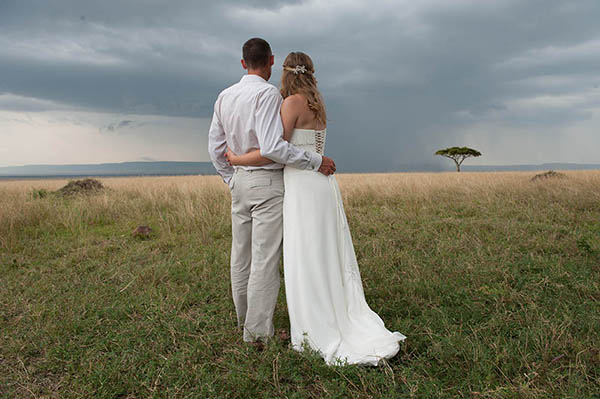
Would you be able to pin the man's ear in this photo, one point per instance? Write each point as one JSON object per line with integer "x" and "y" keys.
{"x": 272, "y": 60}
{"x": 244, "y": 64}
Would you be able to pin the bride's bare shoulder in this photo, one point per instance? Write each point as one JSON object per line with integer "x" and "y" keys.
{"x": 295, "y": 101}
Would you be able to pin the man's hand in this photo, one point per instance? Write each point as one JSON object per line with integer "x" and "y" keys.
{"x": 327, "y": 166}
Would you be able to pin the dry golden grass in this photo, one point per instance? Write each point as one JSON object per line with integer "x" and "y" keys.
{"x": 387, "y": 184}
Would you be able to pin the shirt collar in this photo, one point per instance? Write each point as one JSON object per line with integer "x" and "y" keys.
{"x": 252, "y": 78}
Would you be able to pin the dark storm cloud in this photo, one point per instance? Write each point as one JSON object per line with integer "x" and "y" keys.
{"x": 400, "y": 78}
{"x": 132, "y": 57}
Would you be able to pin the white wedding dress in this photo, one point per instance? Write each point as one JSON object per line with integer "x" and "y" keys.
{"x": 325, "y": 298}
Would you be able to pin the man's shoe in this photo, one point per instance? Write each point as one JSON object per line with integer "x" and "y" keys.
{"x": 258, "y": 345}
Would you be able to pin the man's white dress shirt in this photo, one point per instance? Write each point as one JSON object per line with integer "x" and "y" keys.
{"x": 246, "y": 117}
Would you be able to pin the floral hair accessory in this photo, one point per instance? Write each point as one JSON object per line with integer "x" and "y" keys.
{"x": 297, "y": 69}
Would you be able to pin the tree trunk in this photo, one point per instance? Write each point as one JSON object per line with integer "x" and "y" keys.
{"x": 457, "y": 166}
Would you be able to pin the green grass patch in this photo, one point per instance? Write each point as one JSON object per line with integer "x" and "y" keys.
{"x": 497, "y": 291}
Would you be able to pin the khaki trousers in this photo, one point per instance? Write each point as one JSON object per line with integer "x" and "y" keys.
{"x": 257, "y": 232}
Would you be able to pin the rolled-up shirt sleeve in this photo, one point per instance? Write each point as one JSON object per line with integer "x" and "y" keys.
{"x": 269, "y": 131}
{"x": 217, "y": 147}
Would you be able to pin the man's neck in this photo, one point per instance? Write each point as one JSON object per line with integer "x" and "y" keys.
{"x": 259, "y": 72}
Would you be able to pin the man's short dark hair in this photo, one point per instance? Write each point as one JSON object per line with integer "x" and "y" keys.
{"x": 256, "y": 52}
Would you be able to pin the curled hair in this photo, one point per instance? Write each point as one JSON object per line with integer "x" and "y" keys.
{"x": 298, "y": 78}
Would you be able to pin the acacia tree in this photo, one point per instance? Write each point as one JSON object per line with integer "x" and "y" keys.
{"x": 458, "y": 154}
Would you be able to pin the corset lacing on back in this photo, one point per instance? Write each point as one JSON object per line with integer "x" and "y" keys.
{"x": 310, "y": 139}
{"x": 320, "y": 141}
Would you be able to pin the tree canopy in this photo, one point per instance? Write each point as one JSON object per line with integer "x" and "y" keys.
{"x": 458, "y": 154}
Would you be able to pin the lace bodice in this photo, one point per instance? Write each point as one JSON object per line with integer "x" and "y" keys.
{"x": 309, "y": 139}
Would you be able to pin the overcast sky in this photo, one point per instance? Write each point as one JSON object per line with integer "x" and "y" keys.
{"x": 111, "y": 81}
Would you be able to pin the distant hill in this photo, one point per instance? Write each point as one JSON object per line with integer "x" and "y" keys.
{"x": 544, "y": 166}
{"x": 168, "y": 168}
{"x": 110, "y": 169}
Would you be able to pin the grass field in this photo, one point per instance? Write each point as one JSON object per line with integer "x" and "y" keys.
{"x": 494, "y": 279}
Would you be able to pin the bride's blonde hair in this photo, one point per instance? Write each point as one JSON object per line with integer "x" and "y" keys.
{"x": 298, "y": 78}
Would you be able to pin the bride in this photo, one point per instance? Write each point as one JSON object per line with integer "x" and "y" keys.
{"x": 326, "y": 303}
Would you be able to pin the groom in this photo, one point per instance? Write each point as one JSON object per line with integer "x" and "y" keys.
{"x": 246, "y": 117}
